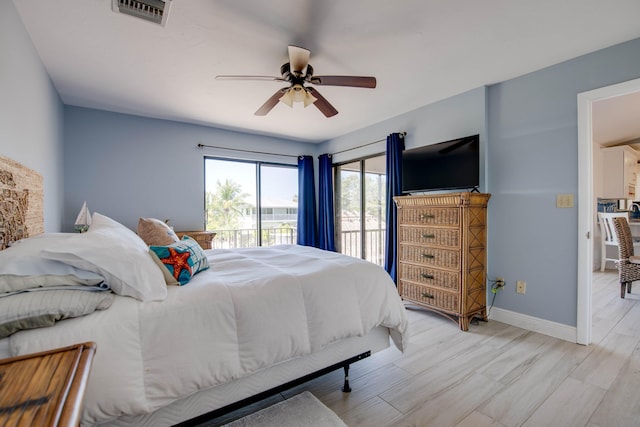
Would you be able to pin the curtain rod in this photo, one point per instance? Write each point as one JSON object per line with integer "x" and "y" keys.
{"x": 201, "y": 146}
{"x": 402, "y": 135}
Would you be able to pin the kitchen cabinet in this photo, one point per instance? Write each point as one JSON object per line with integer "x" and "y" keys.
{"x": 619, "y": 166}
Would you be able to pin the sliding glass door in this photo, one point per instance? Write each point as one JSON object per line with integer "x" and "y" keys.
{"x": 250, "y": 203}
{"x": 278, "y": 204}
{"x": 360, "y": 208}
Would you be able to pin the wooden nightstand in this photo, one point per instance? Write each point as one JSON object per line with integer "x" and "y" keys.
{"x": 203, "y": 238}
{"x": 47, "y": 388}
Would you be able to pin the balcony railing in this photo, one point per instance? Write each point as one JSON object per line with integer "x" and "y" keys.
{"x": 247, "y": 237}
{"x": 350, "y": 241}
{"x": 351, "y": 244}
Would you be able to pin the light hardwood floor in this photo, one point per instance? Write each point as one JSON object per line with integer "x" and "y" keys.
{"x": 498, "y": 375}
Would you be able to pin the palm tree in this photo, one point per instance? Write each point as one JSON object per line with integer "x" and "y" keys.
{"x": 225, "y": 206}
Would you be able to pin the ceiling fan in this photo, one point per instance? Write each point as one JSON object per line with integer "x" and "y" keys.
{"x": 298, "y": 72}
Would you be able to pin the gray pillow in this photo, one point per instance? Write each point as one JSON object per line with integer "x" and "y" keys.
{"x": 36, "y": 309}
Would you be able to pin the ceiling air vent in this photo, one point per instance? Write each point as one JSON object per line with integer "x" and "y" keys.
{"x": 150, "y": 10}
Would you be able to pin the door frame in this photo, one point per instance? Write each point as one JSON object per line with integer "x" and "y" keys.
{"x": 586, "y": 200}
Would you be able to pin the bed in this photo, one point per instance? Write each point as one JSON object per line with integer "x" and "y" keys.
{"x": 249, "y": 322}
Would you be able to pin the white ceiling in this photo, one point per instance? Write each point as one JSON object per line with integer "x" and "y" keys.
{"x": 617, "y": 121}
{"x": 420, "y": 51}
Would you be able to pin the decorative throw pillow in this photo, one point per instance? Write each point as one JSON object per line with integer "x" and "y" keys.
{"x": 183, "y": 259}
{"x": 156, "y": 232}
{"x": 168, "y": 276}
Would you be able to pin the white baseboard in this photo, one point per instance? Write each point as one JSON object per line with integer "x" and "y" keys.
{"x": 535, "y": 324}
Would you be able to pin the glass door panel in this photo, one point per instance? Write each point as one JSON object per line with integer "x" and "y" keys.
{"x": 375, "y": 190}
{"x": 230, "y": 203}
{"x": 348, "y": 209}
{"x": 278, "y": 205}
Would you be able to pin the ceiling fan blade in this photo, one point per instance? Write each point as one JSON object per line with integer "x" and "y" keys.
{"x": 271, "y": 102}
{"x": 353, "y": 81}
{"x": 323, "y": 105}
{"x": 298, "y": 60}
{"x": 262, "y": 78}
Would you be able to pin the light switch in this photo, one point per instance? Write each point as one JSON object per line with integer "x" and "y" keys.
{"x": 564, "y": 200}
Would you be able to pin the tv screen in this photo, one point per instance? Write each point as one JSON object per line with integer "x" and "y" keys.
{"x": 447, "y": 165}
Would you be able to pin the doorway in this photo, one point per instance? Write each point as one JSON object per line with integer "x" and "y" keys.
{"x": 586, "y": 200}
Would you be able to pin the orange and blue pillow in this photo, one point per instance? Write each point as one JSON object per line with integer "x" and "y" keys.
{"x": 183, "y": 259}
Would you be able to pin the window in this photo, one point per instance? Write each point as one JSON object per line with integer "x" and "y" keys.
{"x": 250, "y": 203}
{"x": 360, "y": 208}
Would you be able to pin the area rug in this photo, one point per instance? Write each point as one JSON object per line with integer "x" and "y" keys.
{"x": 303, "y": 409}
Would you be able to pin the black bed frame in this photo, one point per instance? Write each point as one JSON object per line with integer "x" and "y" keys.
{"x": 275, "y": 390}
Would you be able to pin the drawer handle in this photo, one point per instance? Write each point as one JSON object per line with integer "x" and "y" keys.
{"x": 428, "y": 236}
{"x": 427, "y": 295}
{"x": 428, "y": 256}
{"x": 427, "y": 216}
{"x": 426, "y": 276}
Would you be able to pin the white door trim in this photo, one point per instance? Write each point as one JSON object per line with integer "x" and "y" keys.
{"x": 586, "y": 200}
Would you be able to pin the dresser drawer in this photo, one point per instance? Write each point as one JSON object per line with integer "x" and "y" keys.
{"x": 430, "y": 216}
{"x": 430, "y": 276}
{"x": 449, "y": 237}
{"x": 436, "y": 257}
{"x": 425, "y": 295}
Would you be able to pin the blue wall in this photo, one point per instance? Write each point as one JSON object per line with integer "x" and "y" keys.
{"x": 529, "y": 129}
{"x": 31, "y": 113}
{"x": 533, "y": 155}
{"x": 126, "y": 166}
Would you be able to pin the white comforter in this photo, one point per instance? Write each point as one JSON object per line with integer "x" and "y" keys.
{"x": 253, "y": 308}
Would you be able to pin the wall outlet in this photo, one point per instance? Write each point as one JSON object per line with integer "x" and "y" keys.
{"x": 521, "y": 286}
{"x": 497, "y": 284}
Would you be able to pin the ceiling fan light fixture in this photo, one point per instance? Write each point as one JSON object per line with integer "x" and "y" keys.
{"x": 287, "y": 98}
{"x": 297, "y": 93}
{"x": 309, "y": 99}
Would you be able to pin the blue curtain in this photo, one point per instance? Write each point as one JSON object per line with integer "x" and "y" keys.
{"x": 306, "y": 202}
{"x": 326, "y": 226}
{"x": 395, "y": 146}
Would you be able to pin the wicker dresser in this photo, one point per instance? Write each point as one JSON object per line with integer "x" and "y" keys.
{"x": 442, "y": 253}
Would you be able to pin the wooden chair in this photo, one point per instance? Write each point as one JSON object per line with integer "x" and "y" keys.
{"x": 628, "y": 264}
{"x": 608, "y": 235}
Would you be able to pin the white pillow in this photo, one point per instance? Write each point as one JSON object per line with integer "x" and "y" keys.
{"x": 116, "y": 253}
{"x": 22, "y": 267}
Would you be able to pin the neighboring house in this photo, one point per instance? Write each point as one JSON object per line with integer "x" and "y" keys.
{"x": 275, "y": 213}
{"x": 278, "y": 222}
{"x": 129, "y": 166}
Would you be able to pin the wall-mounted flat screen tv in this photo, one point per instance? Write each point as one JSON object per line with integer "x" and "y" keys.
{"x": 446, "y": 165}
